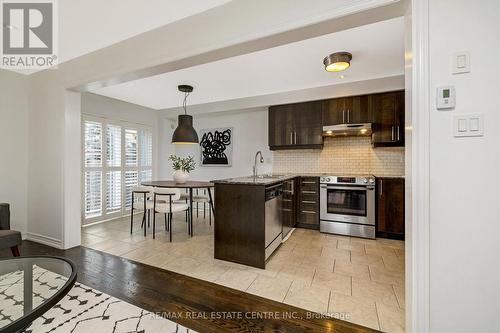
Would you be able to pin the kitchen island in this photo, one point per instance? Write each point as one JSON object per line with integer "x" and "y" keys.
{"x": 249, "y": 218}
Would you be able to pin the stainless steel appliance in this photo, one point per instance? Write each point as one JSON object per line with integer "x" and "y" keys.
{"x": 288, "y": 207}
{"x": 273, "y": 218}
{"x": 342, "y": 130}
{"x": 347, "y": 205}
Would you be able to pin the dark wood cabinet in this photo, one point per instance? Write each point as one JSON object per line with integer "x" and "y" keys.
{"x": 295, "y": 126}
{"x": 347, "y": 110}
{"x": 308, "y": 203}
{"x": 388, "y": 119}
{"x": 300, "y": 125}
{"x": 391, "y": 208}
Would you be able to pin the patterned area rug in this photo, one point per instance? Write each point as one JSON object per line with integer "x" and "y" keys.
{"x": 82, "y": 310}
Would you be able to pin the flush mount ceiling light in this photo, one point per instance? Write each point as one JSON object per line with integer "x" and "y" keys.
{"x": 185, "y": 132}
{"x": 337, "y": 62}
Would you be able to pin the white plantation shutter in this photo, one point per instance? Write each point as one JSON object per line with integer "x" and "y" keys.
{"x": 146, "y": 175}
{"x": 146, "y": 148}
{"x": 130, "y": 182}
{"x": 114, "y": 145}
{"x": 130, "y": 147}
{"x": 92, "y": 193}
{"x": 93, "y": 144}
{"x": 127, "y": 152}
{"x": 113, "y": 191}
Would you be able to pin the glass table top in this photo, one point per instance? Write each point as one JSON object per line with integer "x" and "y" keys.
{"x": 29, "y": 286}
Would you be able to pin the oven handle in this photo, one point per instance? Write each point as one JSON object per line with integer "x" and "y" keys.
{"x": 366, "y": 188}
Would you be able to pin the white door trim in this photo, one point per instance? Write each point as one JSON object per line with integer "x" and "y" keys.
{"x": 418, "y": 248}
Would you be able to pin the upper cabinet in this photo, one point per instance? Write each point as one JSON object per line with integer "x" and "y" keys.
{"x": 294, "y": 126}
{"x": 388, "y": 119}
{"x": 300, "y": 125}
{"x": 347, "y": 110}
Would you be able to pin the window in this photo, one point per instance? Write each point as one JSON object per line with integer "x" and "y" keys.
{"x": 127, "y": 152}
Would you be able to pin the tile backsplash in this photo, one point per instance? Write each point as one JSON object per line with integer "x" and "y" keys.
{"x": 350, "y": 155}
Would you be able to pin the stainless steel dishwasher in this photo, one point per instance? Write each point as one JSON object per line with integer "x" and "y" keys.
{"x": 274, "y": 220}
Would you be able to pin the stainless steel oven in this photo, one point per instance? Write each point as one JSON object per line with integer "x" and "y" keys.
{"x": 347, "y": 205}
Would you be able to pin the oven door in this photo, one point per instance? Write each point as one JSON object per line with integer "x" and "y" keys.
{"x": 352, "y": 204}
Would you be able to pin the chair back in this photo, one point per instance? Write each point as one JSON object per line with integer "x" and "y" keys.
{"x": 4, "y": 216}
{"x": 140, "y": 190}
{"x": 166, "y": 192}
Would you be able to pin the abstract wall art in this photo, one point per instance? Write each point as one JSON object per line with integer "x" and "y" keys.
{"x": 216, "y": 146}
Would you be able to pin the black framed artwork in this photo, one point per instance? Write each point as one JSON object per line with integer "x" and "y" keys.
{"x": 216, "y": 146}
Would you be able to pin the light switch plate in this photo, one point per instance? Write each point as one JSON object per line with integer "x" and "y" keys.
{"x": 468, "y": 125}
{"x": 461, "y": 63}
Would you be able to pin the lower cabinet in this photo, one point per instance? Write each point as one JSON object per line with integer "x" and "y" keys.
{"x": 391, "y": 208}
{"x": 308, "y": 203}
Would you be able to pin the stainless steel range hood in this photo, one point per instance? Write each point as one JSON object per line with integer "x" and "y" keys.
{"x": 364, "y": 129}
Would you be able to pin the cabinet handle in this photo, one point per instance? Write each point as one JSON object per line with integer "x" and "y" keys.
{"x": 343, "y": 116}
{"x": 380, "y": 186}
{"x": 309, "y": 192}
{"x": 308, "y": 202}
{"x": 397, "y": 129}
{"x": 295, "y": 137}
{"x": 348, "y": 116}
{"x": 308, "y": 182}
{"x": 291, "y": 138}
{"x": 392, "y": 133}
{"x": 308, "y": 212}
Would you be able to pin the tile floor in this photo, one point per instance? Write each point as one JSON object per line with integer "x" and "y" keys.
{"x": 354, "y": 279}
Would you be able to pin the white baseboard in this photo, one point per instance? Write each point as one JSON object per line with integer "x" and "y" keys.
{"x": 57, "y": 243}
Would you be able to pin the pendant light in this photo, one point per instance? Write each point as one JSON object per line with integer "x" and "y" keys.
{"x": 337, "y": 62}
{"x": 185, "y": 132}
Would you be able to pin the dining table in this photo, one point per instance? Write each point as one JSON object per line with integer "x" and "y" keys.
{"x": 190, "y": 185}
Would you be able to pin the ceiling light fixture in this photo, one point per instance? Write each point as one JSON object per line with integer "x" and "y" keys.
{"x": 337, "y": 62}
{"x": 185, "y": 132}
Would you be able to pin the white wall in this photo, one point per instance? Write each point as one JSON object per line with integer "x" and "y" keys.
{"x": 464, "y": 218}
{"x": 14, "y": 146}
{"x": 249, "y": 136}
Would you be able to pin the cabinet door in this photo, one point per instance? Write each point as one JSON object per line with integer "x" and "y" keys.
{"x": 388, "y": 113}
{"x": 308, "y": 205}
{"x": 360, "y": 111}
{"x": 281, "y": 125}
{"x": 308, "y": 124}
{"x": 334, "y": 112}
{"x": 390, "y": 208}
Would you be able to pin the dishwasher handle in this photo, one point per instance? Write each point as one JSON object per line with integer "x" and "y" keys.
{"x": 274, "y": 192}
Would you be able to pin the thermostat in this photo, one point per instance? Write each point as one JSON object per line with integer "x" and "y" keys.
{"x": 445, "y": 98}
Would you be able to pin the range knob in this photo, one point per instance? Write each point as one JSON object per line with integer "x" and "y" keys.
{"x": 365, "y": 180}
{"x": 372, "y": 181}
{"x": 327, "y": 179}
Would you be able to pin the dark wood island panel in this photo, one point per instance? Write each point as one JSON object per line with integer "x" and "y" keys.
{"x": 239, "y": 231}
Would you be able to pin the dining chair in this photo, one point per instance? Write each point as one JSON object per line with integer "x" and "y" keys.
{"x": 205, "y": 199}
{"x": 141, "y": 196}
{"x": 169, "y": 206}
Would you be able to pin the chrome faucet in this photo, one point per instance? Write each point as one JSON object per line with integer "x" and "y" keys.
{"x": 255, "y": 163}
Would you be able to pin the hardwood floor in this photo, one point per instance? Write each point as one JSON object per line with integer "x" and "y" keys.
{"x": 199, "y": 305}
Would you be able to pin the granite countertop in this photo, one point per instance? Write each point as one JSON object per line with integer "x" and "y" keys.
{"x": 275, "y": 178}
{"x": 260, "y": 180}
